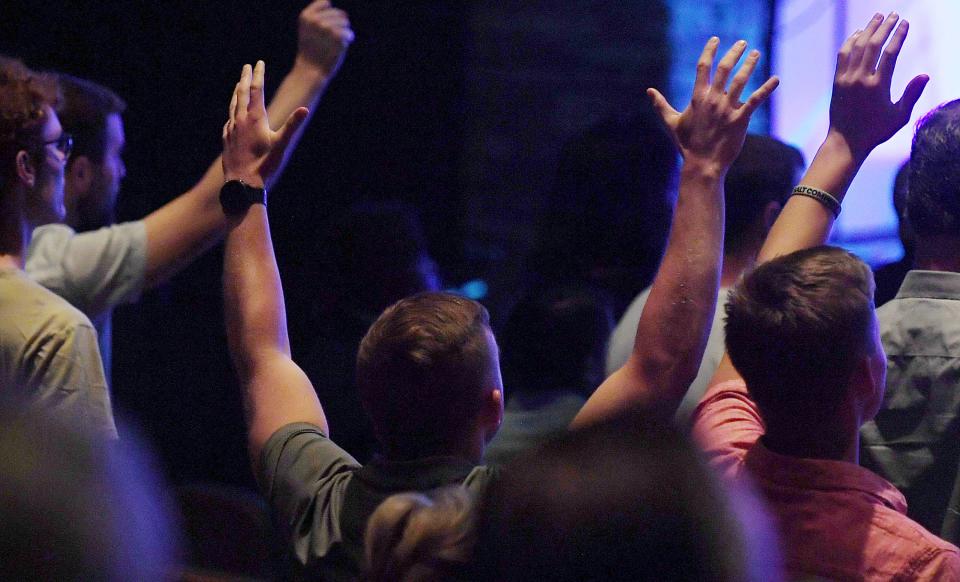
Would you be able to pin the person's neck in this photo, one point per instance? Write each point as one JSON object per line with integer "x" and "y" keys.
{"x": 844, "y": 446}
{"x": 14, "y": 231}
{"x": 471, "y": 450}
{"x": 735, "y": 264}
{"x": 938, "y": 253}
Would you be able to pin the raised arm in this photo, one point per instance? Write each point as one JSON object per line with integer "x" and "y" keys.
{"x": 184, "y": 228}
{"x": 673, "y": 329}
{"x": 862, "y": 116}
{"x": 276, "y": 391}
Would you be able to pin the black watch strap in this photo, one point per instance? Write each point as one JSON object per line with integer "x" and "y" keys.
{"x": 236, "y": 196}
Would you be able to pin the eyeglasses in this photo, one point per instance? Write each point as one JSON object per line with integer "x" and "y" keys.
{"x": 64, "y": 143}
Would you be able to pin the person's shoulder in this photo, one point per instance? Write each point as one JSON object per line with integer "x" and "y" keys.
{"x": 45, "y": 239}
{"x": 24, "y": 298}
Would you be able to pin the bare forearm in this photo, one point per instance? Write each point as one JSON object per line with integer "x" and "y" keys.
{"x": 673, "y": 330}
{"x": 253, "y": 296}
{"x": 804, "y": 222}
{"x": 675, "y": 324}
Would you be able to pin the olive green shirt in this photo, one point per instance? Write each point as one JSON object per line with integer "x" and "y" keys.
{"x": 49, "y": 357}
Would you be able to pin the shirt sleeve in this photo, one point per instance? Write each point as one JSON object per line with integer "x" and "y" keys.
{"x": 726, "y": 425}
{"x": 95, "y": 270}
{"x": 302, "y": 475}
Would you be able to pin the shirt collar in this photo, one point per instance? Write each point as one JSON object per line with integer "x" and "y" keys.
{"x": 821, "y": 474}
{"x": 930, "y": 285}
{"x": 417, "y": 475}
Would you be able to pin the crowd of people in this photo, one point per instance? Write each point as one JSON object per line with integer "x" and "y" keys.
{"x": 752, "y": 416}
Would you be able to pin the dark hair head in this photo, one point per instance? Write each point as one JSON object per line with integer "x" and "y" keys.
{"x": 372, "y": 254}
{"x": 933, "y": 203}
{"x": 86, "y": 106}
{"x": 554, "y": 339}
{"x": 25, "y": 97}
{"x": 796, "y": 328}
{"x": 422, "y": 370}
{"x": 625, "y": 500}
{"x": 765, "y": 171}
{"x": 607, "y": 217}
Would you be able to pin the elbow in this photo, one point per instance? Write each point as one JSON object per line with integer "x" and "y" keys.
{"x": 671, "y": 372}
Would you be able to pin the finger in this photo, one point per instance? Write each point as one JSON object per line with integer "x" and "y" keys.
{"x": 743, "y": 75}
{"x": 705, "y": 63}
{"x": 243, "y": 92}
{"x": 333, "y": 22}
{"x": 314, "y": 7}
{"x": 843, "y": 55}
{"x": 289, "y": 129}
{"x": 661, "y": 105}
{"x": 726, "y": 65}
{"x": 333, "y": 13}
{"x": 757, "y": 98}
{"x": 912, "y": 94}
{"x": 876, "y": 42}
{"x": 233, "y": 103}
{"x": 256, "y": 90}
{"x": 888, "y": 60}
{"x": 860, "y": 45}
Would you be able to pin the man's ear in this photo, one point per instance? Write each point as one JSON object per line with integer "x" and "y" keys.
{"x": 26, "y": 171}
{"x": 493, "y": 411}
{"x": 79, "y": 177}
{"x": 866, "y": 387}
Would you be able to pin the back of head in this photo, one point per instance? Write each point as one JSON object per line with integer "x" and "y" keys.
{"x": 25, "y": 99}
{"x": 554, "y": 339}
{"x": 796, "y": 328}
{"x": 765, "y": 171}
{"x": 933, "y": 202}
{"x": 422, "y": 370}
{"x": 627, "y": 500}
{"x": 74, "y": 510}
{"x": 608, "y": 214}
{"x": 83, "y": 114}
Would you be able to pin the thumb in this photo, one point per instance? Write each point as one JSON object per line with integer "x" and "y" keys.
{"x": 912, "y": 93}
{"x": 289, "y": 128}
{"x": 660, "y": 103}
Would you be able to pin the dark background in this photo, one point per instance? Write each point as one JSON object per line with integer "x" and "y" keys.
{"x": 459, "y": 108}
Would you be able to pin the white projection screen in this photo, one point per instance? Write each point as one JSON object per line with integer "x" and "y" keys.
{"x": 806, "y": 36}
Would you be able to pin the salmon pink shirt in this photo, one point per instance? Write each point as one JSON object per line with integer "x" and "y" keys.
{"x": 836, "y": 519}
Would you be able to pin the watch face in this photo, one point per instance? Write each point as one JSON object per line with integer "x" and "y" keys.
{"x": 236, "y": 196}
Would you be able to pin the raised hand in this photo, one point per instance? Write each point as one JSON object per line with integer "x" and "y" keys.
{"x": 252, "y": 151}
{"x": 861, "y": 109}
{"x": 324, "y": 35}
{"x": 712, "y": 128}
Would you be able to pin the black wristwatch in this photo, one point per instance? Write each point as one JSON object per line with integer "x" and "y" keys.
{"x": 236, "y": 196}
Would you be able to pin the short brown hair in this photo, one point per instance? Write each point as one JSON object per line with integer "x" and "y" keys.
{"x": 84, "y": 111}
{"x": 24, "y": 98}
{"x": 796, "y": 328}
{"x": 421, "y": 371}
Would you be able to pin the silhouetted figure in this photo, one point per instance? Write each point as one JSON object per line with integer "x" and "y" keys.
{"x": 553, "y": 348}
{"x": 371, "y": 256}
{"x": 608, "y": 215}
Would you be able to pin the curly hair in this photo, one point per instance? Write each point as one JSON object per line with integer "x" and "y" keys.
{"x": 25, "y": 99}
